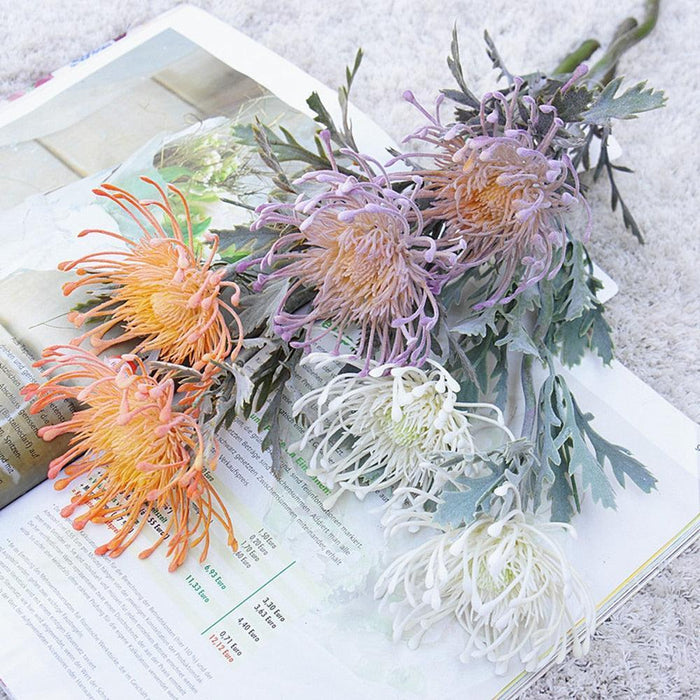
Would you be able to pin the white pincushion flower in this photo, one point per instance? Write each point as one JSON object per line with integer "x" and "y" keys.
{"x": 381, "y": 429}
{"x": 506, "y": 581}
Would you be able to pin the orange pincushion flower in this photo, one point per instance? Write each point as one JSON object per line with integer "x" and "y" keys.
{"x": 141, "y": 453}
{"x": 162, "y": 293}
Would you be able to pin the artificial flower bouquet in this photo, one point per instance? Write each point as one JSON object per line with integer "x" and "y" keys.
{"x": 437, "y": 291}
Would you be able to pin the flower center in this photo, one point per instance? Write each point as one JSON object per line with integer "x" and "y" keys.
{"x": 494, "y": 585}
{"x": 403, "y": 432}
{"x": 124, "y": 445}
{"x": 487, "y": 205}
{"x": 361, "y": 266}
{"x": 417, "y": 426}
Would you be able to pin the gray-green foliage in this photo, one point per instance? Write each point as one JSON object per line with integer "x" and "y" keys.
{"x": 574, "y": 456}
{"x": 636, "y": 99}
{"x": 560, "y": 456}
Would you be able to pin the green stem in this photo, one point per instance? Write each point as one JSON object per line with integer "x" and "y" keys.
{"x": 604, "y": 69}
{"x": 571, "y": 62}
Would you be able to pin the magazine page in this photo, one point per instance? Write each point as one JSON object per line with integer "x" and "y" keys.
{"x": 292, "y": 612}
{"x": 23, "y": 455}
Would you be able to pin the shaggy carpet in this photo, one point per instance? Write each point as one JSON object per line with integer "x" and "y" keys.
{"x": 650, "y": 647}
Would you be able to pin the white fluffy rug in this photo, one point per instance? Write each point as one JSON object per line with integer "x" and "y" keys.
{"x": 650, "y": 648}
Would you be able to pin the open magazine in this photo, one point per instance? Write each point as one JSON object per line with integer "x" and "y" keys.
{"x": 292, "y": 612}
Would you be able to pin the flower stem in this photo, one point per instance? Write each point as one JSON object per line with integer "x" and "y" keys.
{"x": 572, "y": 61}
{"x": 628, "y": 34}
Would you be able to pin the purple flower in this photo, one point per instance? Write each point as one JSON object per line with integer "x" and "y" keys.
{"x": 358, "y": 245}
{"x": 499, "y": 191}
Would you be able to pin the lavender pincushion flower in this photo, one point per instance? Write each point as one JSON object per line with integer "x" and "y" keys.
{"x": 500, "y": 192}
{"x": 358, "y": 245}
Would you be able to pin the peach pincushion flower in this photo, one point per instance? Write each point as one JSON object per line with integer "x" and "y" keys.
{"x": 161, "y": 291}
{"x": 140, "y": 453}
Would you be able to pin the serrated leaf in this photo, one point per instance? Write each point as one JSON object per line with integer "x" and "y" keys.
{"x": 573, "y": 341}
{"x": 460, "y": 506}
{"x": 323, "y": 116}
{"x": 496, "y": 59}
{"x": 573, "y": 103}
{"x": 580, "y": 457}
{"x": 273, "y": 438}
{"x": 440, "y": 336}
{"x": 500, "y": 373}
{"x": 623, "y": 463}
{"x": 634, "y": 100}
{"x": 592, "y": 475}
{"x": 517, "y": 338}
{"x": 243, "y": 134}
{"x": 244, "y": 385}
{"x": 477, "y": 324}
{"x": 601, "y": 339}
{"x": 241, "y": 239}
{"x": 257, "y": 310}
{"x": 478, "y": 356}
{"x": 552, "y": 433}
{"x": 274, "y": 151}
{"x": 579, "y": 297}
{"x": 454, "y": 63}
{"x": 615, "y": 196}
{"x": 460, "y": 366}
{"x": 619, "y": 458}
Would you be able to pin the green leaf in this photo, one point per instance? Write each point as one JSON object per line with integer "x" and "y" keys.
{"x": 478, "y": 323}
{"x": 496, "y": 59}
{"x": 273, "y": 438}
{"x": 256, "y": 310}
{"x": 571, "y": 105}
{"x": 454, "y": 63}
{"x": 461, "y": 506}
{"x": 552, "y": 431}
{"x": 243, "y": 134}
{"x": 200, "y": 226}
{"x": 601, "y": 339}
{"x": 592, "y": 474}
{"x": 323, "y": 116}
{"x": 241, "y": 239}
{"x": 579, "y": 297}
{"x": 458, "y": 363}
{"x": 615, "y": 195}
{"x": 500, "y": 374}
{"x": 573, "y": 340}
{"x": 457, "y": 96}
{"x": 619, "y": 458}
{"x": 577, "y": 317}
{"x": 517, "y": 339}
{"x": 560, "y": 495}
{"x": 569, "y": 446}
{"x": 344, "y": 101}
{"x": 634, "y": 100}
{"x": 580, "y": 458}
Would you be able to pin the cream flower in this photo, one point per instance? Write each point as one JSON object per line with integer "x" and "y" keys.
{"x": 506, "y": 581}
{"x": 382, "y": 429}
